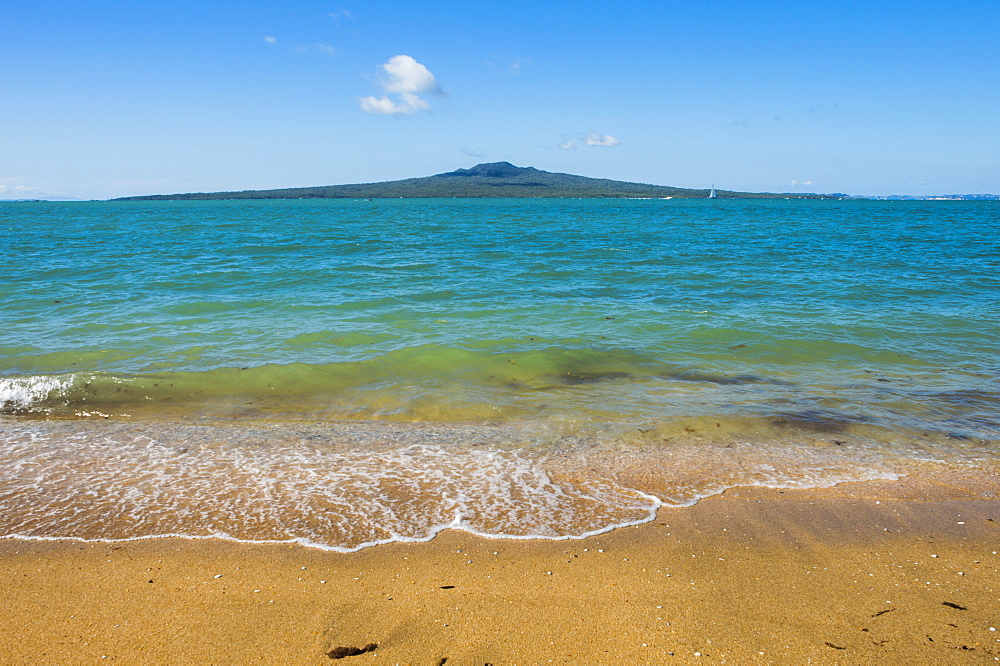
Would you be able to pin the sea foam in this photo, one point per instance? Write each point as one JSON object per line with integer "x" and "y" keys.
{"x": 352, "y": 485}
{"x": 25, "y": 393}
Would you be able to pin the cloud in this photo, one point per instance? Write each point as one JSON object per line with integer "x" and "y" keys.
{"x": 591, "y": 139}
{"x": 11, "y": 188}
{"x": 595, "y": 139}
{"x": 796, "y": 183}
{"x": 339, "y": 14}
{"x": 406, "y": 75}
{"x": 406, "y": 80}
{"x": 408, "y": 103}
{"x": 269, "y": 40}
{"x": 473, "y": 152}
{"x": 326, "y": 49}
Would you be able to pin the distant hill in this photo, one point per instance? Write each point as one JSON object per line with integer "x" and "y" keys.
{"x": 497, "y": 179}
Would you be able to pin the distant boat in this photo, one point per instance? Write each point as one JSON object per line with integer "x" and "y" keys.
{"x": 712, "y": 194}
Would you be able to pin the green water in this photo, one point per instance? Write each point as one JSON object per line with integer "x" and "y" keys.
{"x": 645, "y": 334}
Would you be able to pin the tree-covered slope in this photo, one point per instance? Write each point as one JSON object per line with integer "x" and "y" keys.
{"x": 498, "y": 179}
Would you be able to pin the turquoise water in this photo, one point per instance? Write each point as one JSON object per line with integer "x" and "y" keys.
{"x": 346, "y": 372}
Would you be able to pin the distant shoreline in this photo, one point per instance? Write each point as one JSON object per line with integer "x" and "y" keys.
{"x": 966, "y": 198}
{"x": 495, "y": 180}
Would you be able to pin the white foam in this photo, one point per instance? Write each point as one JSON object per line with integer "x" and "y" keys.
{"x": 22, "y": 393}
{"x": 120, "y": 486}
{"x": 114, "y": 481}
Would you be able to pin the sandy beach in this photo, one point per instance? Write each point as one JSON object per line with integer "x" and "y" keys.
{"x": 906, "y": 571}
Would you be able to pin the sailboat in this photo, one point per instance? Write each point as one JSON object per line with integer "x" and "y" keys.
{"x": 712, "y": 194}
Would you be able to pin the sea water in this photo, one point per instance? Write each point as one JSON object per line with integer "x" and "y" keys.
{"x": 344, "y": 372}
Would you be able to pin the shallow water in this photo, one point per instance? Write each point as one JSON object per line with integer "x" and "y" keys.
{"x": 350, "y": 372}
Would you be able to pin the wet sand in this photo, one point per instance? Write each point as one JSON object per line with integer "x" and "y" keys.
{"x": 906, "y": 571}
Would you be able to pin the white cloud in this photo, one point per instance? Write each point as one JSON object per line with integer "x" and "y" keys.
{"x": 10, "y": 187}
{"x": 326, "y": 49}
{"x": 473, "y": 152}
{"x": 409, "y": 103}
{"x": 796, "y": 183}
{"x": 381, "y": 105}
{"x": 595, "y": 139}
{"x": 270, "y": 40}
{"x": 406, "y": 75}
{"x": 570, "y": 142}
{"x": 339, "y": 14}
{"x": 408, "y": 80}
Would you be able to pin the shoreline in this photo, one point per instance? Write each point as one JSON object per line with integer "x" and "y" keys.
{"x": 903, "y": 569}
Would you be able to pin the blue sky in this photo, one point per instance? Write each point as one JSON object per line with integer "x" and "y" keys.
{"x": 105, "y": 99}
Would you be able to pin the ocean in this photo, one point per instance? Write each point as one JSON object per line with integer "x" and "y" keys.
{"x": 344, "y": 373}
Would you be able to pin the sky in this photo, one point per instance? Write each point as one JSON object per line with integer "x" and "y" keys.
{"x": 104, "y": 99}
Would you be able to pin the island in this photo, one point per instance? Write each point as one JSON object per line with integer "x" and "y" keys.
{"x": 492, "y": 180}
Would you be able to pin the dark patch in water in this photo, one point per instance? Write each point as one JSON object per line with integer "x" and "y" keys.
{"x": 722, "y": 380}
{"x": 822, "y": 422}
{"x": 576, "y": 378}
{"x": 967, "y": 398}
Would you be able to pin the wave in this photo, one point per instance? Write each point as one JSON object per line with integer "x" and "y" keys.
{"x": 347, "y": 486}
{"x": 437, "y": 383}
{"x": 429, "y": 382}
{"x": 27, "y": 394}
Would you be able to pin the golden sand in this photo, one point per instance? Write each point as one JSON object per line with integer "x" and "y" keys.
{"x": 905, "y": 571}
